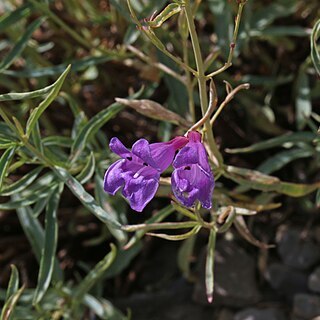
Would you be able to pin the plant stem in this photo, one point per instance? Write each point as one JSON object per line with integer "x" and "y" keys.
{"x": 233, "y": 43}
{"x": 201, "y": 82}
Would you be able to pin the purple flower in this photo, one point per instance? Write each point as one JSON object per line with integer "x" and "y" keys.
{"x": 138, "y": 172}
{"x": 192, "y": 178}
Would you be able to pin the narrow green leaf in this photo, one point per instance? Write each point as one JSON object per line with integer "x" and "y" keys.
{"x": 94, "y": 275}
{"x": 156, "y": 226}
{"x": 92, "y": 127}
{"x": 10, "y": 305}
{"x": 318, "y": 198}
{"x": 36, "y": 113}
{"x": 122, "y": 260}
{"x": 50, "y": 245}
{"x": 289, "y": 139}
{"x": 76, "y": 65}
{"x": 257, "y": 180}
{"x": 281, "y": 159}
{"x": 210, "y": 265}
{"x": 20, "y": 44}
{"x": 39, "y": 206}
{"x": 303, "y": 99}
{"x": 103, "y": 308}
{"x": 31, "y": 94}
{"x": 94, "y": 124}
{"x": 35, "y": 234}
{"x": 36, "y": 137}
{"x": 88, "y": 170}
{"x": 158, "y": 217}
{"x": 315, "y": 51}
{"x": 11, "y": 18}
{"x": 22, "y": 201}
{"x": 184, "y": 255}
{"x": 5, "y": 161}
{"x": 178, "y": 237}
{"x": 86, "y": 199}
{"x": 13, "y": 282}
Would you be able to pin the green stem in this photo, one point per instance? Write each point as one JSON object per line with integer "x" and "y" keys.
{"x": 233, "y": 43}
{"x": 201, "y": 81}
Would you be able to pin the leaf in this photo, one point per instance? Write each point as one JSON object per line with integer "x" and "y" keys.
{"x": 122, "y": 260}
{"x": 257, "y": 180}
{"x": 318, "y": 198}
{"x": 35, "y": 234}
{"x": 30, "y": 94}
{"x": 286, "y": 139}
{"x": 94, "y": 275}
{"x": 281, "y": 159}
{"x": 184, "y": 255}
{"x": 88, "y": 170}
{"x": 268, "y": 13}
{"x": 20, "y": 44}
{"x": 103, "y": 308}
{"x": 158, "y": 217}
{"x": 13, "y": 282}
{"x": 231, "y": 215}
{"x": 156, "y": 226}
{"x": 242, "y": 228}
{"x": 11, "y": 18}
{"x": 22, "y": 201}
{"x": 210, "y": 265}
{"x": 88, "y": 201}
{"x": 303, "y": 100}
{"x": 36, "y": 113}
{"x": 154, "y": 110}
{"x": 10, "y": 305}
{"x": 92, "y": 127}
{"x": 315, "y": 52}
{"x": 50, "y": 245}
{"x": 5, "y": 161}
{"x": 178, "y": 237}
{"x": 76, "y": 65}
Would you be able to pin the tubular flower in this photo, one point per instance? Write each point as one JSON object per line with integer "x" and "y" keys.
{"x": 138, "y": 172}
{"x": 192, "y": 178}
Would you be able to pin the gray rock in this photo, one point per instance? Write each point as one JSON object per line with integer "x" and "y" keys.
{"x": 235, "y": 283}
{"x": 285, "y": 280}
{"x": 314, "y": 280}
{"x": 306, "y": 306}
{"x": 260, "y": 314}
{"x": 295, "y": 251}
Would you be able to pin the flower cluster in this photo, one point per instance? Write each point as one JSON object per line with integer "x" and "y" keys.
{"x": 138, "y": 171}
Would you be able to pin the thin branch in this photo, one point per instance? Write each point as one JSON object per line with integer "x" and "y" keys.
{"x": 157, "y": 65}
{"x": 229, "y": 97}
{"x": 232, "y": 44}
{"x": 212, "y": 105}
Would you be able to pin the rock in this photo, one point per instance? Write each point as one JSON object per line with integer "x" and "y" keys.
{"x": 295, "y": 251}
{"x": 306, "y": 306}
{"x": 314, "y": 280}
{"x": 260, "y": 314}
{"x": 235, "y": 283}
{"x": 285, "y": 280}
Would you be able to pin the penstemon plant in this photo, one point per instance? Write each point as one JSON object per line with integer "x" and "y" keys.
{"x": 56, "y": 162}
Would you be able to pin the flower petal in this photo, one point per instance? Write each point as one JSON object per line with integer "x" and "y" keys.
{"x": 141, "y": 149}
{"x": 164, "y": 152}
{"x": 193, "y": 184}
{"x": 113, "y": 178}
{"x": 140, "y": 191}
{"x": 118, "y": 148}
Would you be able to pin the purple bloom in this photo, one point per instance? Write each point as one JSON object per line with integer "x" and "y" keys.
{"x": 138, "y": 172}
{"x": 192, "y": 178}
